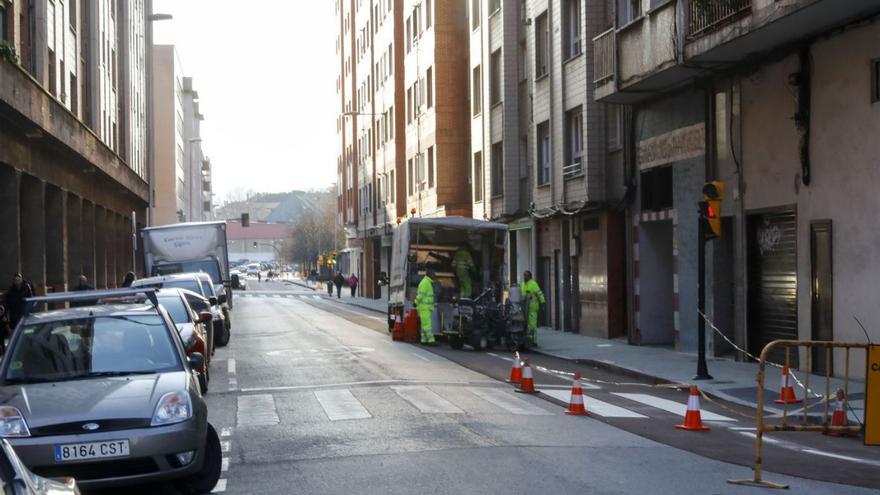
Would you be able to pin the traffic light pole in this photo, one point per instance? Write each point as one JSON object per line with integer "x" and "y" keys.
{"x": 702, "y": 368}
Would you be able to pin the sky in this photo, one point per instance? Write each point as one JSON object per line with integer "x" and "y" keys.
{"x": 265, "y": 71}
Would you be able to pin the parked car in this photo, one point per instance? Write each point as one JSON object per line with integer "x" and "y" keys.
{"x": 188, "y": 281}
{"x": 220, "y": 310}
{"x": 62, "y": 381}
{"x": 192, "y": 327}
{"x": 254, "y": 269}
{"x": 17, "y": 479}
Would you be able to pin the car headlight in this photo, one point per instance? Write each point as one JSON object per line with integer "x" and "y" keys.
{"x": 12, "y": 423}
{"x": 173, "y": 407}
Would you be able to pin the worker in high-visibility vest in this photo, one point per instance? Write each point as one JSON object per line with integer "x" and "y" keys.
{"x": 425, "y": 306}
{"x": 534, "y": 298}
{"x": 463, "y": 265}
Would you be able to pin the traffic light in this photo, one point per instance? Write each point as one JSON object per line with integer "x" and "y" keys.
{"x": 333, "y": 258}
{"x": 710, "y": 207}
{"x": 255, "y": 243}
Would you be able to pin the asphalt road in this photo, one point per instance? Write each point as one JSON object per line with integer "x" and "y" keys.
{"x": 312, "y": 396}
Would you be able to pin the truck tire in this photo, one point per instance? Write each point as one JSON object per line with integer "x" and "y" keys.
{"x": 456, "y": 342}
{"x": 479, "y": 342}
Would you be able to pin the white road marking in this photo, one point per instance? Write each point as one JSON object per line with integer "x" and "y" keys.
{"x": 230, "y": 366}
{"x": 508, "y": 402}
{"x": 426, "y": 400}
{"x": 841, "y": 457}
{"x": 317, "y": 298}
{"x": 742, "y": 428}
{"x": 423, "y": 358}
{"x": 225, "y": 446}
{"x": 670, "y": 406}
{"x": 764, "y": 438}
{"x": 221, "y": 486}
{"x": 341, "y": 404}
{"x": 224, "y": 465}
{"x": 369, "y": 382}
{"x": 257, "y": 410}
{"x": 594, "y": 406}
{"x": 604, "y": 345}
{"x": 226, "y": 432}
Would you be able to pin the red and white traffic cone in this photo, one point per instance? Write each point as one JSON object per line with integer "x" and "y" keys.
{"x": 786, "y": 391}
{"x": 527, "y": 385}
{"x": 838, "y": 417}
{"x": 576, "y": 403}
{"x": 515, "y": 370}
{"x": 692, "y": 419}
{"x": 397, "y": 330}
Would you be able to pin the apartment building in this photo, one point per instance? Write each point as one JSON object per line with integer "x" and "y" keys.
{"x": 198, "y": 200}
{"x": 545, "y": 157}
{"x": 72, "y": 139}
{"x": 403, "y": 126}
{"x": 778, "y": 100}
{"x": 170, "y": 140}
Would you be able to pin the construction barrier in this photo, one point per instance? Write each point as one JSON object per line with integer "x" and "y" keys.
{"x": 787, "y": 397}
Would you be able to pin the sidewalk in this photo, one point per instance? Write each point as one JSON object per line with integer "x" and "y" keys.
{"x": 733, "y": 381}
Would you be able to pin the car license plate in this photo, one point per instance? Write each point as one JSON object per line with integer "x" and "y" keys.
{"x": 92, "y": 450}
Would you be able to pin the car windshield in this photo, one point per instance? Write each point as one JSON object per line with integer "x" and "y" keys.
{"x": 176, "y": 309}
{"x": 185, "y": 283}
{"x": 207, "y": 288}
{"x": 90, "y": 347}
{"x": 207, "y": 266}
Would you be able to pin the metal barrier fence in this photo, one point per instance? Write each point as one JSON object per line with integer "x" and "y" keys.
{"x": 762, "y": 427}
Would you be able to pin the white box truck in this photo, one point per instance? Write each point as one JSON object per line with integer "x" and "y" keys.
{"x": 190, "y": 247}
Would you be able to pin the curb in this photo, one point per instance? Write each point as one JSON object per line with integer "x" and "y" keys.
{"x": 362, "y": 306}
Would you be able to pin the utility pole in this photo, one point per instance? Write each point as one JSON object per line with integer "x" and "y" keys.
{"x": 708, "y": 228}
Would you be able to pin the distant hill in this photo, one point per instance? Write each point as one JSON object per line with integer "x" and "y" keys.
{"x": 271, "y": 207}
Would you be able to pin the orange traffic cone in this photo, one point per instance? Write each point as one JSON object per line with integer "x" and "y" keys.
{"x": 397, "y": 331}
{"x": 838, "y": 417}
{"x": 692, "y": 420}
{"x": 576, "y": 403}
{"x": 786, "y": 391}
{"x": 527, "y": 385}
{"x": 515, "y": 370}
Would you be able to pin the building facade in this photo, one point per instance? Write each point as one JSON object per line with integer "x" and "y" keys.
{"x": 198, "y": 196}
{"x": 169, "y": 137}
{"x": 777, "y": 100}
{"x": 72, "y": 139}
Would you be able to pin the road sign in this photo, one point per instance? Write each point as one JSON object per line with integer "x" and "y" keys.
{"x": 872, "y": 397}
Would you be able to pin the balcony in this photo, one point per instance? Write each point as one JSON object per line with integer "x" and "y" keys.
{"x": 572, "y": 170}
{"x": 670, "y": 45}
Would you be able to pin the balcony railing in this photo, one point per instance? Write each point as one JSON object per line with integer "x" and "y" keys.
{"x": 603, "y": 57}
{"x": 705, "y": 16}
{"x": 572, "y": 170}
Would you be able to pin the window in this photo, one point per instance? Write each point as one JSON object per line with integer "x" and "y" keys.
{"x": 74, "y": 95}
{"x": 495, "y": 77}
{"x": 391, "y": 122}
{"x": 476, "y": 90}
{"x": 409, "y": 105}
{"x": 428, "y": 14}
{"x": 430, "y": 167}
{"x": 875, "y": 80}
{"x": 656, "y": 187}
{"x": 4, "y": 34}
{"x": 543, "y": 136}
{"x": 497, "y": 169}
{"x": 572, "y": 28}
{"x": 393, "y": 187}
{"x": 475, "y": 13}
{"x": 574, "y": 145}
{"x": 409, "y": 176}
{"x": 408, "y": 35}
{"x": 494, "y": 5}
{"x": 429, "y": 83}
{"x": 478, "y": 176}
{"x": 542, "y": 53}
{"x": 51, "y": 75}
{"x": 615, "y": 127}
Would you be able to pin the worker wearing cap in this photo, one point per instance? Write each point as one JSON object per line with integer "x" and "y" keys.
{"x": 534, "y": 298}
{"x": 425, "y": 306}
{"x": 463, "y": 264}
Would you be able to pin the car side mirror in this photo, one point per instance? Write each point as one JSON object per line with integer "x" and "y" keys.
{"x": 196, "y": 360}
{"x": 212, "y": 301}
{"x": 222, "y": 299}
{"x": 235, "y": 281}
{"x": 205, "y": 316}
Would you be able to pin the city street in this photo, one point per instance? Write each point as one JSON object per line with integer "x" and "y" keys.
{"x": 312, "y": 396}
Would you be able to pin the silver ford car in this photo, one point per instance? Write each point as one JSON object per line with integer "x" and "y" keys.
{"x": 106, "y": 394}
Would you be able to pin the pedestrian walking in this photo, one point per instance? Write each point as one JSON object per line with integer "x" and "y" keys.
{"x": 129, "y": 279}
{"x": 533, "y": 298}
{"x": 330, "y": 286}
{"x": 338, "y": 281}
{"x": 259, "y": 276}
{"x": 425, "y": 306}
{"x": 15, "y": 299}
{"x": 353, "y": 284}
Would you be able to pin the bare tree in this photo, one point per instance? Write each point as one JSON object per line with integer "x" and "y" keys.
{"x": 316, "y": 232}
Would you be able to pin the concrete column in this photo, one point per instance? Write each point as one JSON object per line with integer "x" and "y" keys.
{"x": 74, "y": 238}
{"x": 56, "y": 237}
{"x": 112, "y": 249}
{"x": 33, "y": 231}
{"x": 125, "y": 236}
{"x": 10, "y": 261}
{"x": 101, "y": 241}
{"x": 89, "y": 257}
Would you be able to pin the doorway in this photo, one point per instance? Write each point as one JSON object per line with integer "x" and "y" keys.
{"x": 656, "y": 286}
{"x": 821, "y": 292}
{"x": 544, "y": 283}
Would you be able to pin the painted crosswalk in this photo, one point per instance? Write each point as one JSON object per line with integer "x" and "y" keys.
{"x": 426, "y": 400}
{"x": 341, "y": 404}
{"x": 595, "y": 406}
{"x": 509, "y": 402}
{"x": 670, "y": 406}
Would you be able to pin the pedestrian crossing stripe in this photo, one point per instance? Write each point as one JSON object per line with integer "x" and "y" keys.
{"x": 670, "y": 406}
{"x": 594, "y": 406}
{"x": 426, "y": 400}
